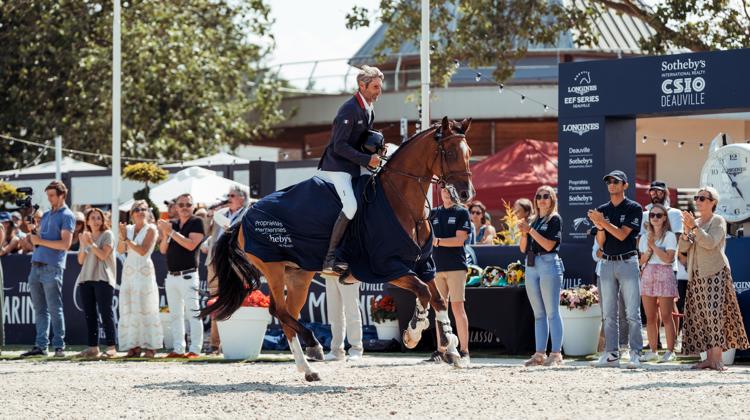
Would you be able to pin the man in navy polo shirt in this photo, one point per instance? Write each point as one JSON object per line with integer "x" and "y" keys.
{"x": 51, "y": 243}
{"x": 451, "y": 225}
{"x": 618, "y": 223}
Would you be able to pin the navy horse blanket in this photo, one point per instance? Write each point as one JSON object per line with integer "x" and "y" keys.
{"x": 295, "y": 224}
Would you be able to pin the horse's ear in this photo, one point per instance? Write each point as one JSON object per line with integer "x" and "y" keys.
{"x": 445, "y": 125}
{"x": 465, "y": 124}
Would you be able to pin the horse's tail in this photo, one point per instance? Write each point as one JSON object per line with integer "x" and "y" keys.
{"x": 237, "y": 276}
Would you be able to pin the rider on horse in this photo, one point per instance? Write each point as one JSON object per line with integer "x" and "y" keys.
{"x": 343, "y": 158}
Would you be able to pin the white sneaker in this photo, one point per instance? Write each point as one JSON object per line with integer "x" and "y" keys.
{"x": 634, "y": 363}
{"x": 334, "y": 356}
{"x": 669, "y": 356}
{"x": 354, "y": 356}
{"x": 650, "y": 356}
{"x": 608, "y": 359}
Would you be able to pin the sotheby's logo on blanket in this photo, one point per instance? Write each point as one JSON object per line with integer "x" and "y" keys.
{"x": 274, "y": 231}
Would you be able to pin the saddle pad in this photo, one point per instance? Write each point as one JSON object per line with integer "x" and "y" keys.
{"x": 295, "y": 224}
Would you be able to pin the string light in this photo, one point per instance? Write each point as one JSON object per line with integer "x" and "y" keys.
{"x": 500, "y": 88}
{"x": 644, "y": 139}
{"x": 546, "y": 108}
{"x": 456, "y": 63}
{"x": 478, "y": 77}
{"x": 681, "y": 144}
{"x": 700, "y": 146}
{"x": 664, "y": 141}
{"x": 523, "y": 98}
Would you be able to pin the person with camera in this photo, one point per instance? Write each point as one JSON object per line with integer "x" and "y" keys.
{"x": 181, "y": 241}
{"x": 617, "y": 225}
{"x": 540, "y": 241}
{"x": 51, "y": 242}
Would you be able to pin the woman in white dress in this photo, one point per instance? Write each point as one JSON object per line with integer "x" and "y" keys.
{"x": 140, "y": 326}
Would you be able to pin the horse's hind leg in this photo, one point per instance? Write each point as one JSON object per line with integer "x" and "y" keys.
{"x": 447, "y": 341}
{"x": 275, "y": 276}
{"x": 297, "y": 284}
{"x": 418, "y": 322}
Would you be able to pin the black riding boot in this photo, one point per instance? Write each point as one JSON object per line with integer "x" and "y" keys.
{"x": 331, "y": 264}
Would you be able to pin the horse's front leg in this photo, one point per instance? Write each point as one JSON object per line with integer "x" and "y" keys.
{"x": 297, "y": 284}
{"x": 418, "y": 322}
{"x": 447, "y": 341}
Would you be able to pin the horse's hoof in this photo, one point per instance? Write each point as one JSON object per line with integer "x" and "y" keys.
{"x": 454, "y": 359}
{"x": 314, "y": 353}
{"x": 312, "y": 377}
{"x": 409, "y": 343}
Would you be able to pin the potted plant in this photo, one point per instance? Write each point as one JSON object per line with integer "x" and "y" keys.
{"x": 166, "y": 326}
{"x": 383, "y": 313}
{"x": 582, "y": 320}
{"x": 242, "y": 334}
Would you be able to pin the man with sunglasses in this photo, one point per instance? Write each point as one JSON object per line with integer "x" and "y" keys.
{"x": 617, "y": 225}
{"x": 181, "y": 240}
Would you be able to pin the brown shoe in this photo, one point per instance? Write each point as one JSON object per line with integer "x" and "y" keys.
{"x": 149, "y": 354}
{"x": 192, "y": 355}
{"x": 134, "y": 352}
{"x": 110, "y": 353}
{"x": 173, "y": 355}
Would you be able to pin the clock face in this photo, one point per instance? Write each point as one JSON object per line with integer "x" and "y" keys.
{"x": 728, "y": 170}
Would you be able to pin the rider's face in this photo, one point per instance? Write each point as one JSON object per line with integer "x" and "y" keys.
{"x": 372, "y": 91}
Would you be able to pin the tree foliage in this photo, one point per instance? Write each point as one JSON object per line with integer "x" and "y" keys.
{"x": 191, "y": 79}
{"x": 499, "y": 32}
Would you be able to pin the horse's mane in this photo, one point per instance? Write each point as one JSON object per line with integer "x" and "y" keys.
{"x": 453, "y": 124}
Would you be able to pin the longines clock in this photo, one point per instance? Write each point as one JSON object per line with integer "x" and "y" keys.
{"x": 726, "y": 169}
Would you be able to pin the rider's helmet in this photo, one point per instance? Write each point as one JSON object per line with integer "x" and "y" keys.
{"x": 372, "y": 142}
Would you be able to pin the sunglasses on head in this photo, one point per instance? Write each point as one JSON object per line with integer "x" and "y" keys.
{"x": 140, "y": 209}
{"x": 702, "y": 198}
{"x": 184, "y": 205}
{"x": 656, "y": 215}
{"x": 542, "y": 196}
{"x": 612, "y": 181}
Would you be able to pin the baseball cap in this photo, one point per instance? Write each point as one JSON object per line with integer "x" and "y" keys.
{"x": 658, "y": 185}
{"x": 4, "y": 216}
{"x": 617, "y": 174}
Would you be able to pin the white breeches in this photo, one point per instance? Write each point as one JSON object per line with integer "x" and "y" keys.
{"x": 342, "y": 181}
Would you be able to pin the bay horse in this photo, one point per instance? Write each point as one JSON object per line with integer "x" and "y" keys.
{"x": 439, "y": 154}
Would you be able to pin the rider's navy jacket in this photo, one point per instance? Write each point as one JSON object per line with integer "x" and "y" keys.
{"x": 342, "y": 153}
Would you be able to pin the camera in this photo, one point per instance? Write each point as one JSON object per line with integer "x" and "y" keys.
{"x": 25, "y": 203}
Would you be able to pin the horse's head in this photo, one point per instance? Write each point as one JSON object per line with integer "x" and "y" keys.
{"x": 452, "y": 163}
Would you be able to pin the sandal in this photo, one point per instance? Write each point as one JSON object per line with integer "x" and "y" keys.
{"x": 554, "y": 359}
{"x": 89, "y": 353}
{"x": 134, "y": 352}
{"x": 537, "y": 359}
{"x": 149, "y": 354}
{"x": 110, "y": 353}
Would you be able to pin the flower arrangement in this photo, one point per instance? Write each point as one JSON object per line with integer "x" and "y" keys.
{"x": 383, "y": 309}
{"x": 511, "y": 235}
{"x": 164, "y": 309}
{"x": 580, "y": 297}
{"x": 515, "y": 273}
{"x": 255, "y": 299}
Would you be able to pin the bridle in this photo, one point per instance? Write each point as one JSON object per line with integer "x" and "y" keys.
{"x": 442, "y": 179}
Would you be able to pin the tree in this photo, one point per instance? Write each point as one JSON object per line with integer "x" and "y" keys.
{"x": 191, "y": 75}
{"x": 145, "y": 172}
{"x": 498, "y": 32}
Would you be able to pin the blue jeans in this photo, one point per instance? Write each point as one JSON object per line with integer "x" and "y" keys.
{"x": 543, "y": 282}
{"x": 625, "y": 277}
{"x": 45, "y": 287}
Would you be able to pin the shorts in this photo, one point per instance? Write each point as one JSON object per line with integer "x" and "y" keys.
{"x": 658, "y": 280}
{"x": 451, "y": 285}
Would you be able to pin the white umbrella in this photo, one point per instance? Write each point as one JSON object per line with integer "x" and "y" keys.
{"x": 204, "y": 185}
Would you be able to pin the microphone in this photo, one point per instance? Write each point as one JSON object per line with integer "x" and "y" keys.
{"x": 219, "y": 204}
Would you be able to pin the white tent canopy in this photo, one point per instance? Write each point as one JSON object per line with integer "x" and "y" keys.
{"x": 68, "y": 164}
{"x": 221, "y": 158}
{"x": 204, "y": 185}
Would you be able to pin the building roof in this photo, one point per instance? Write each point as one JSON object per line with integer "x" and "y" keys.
{"x": 67, "y": 164}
